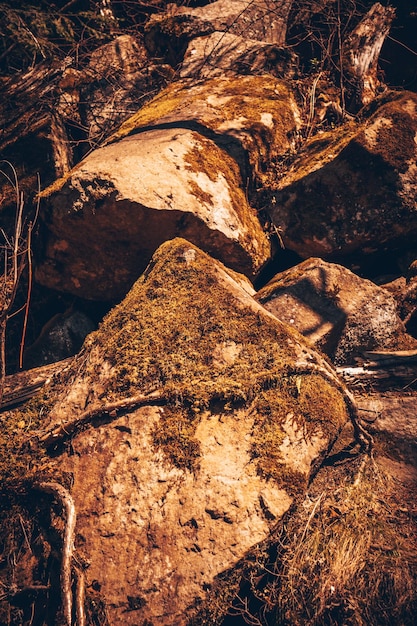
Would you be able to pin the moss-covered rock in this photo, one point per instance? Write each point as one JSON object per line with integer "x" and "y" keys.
{"x": 231, "y": 426}
{"x": 258, "y": 114}
{"x": 352, "y": 188}
{"x": 124, "y": 200}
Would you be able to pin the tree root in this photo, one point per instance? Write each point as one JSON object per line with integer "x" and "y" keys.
{"x": 79, "y": 596}
{"x": 362, "y": 436}
{"x": 67, "y": 503}
{"x": 58, "y": 434}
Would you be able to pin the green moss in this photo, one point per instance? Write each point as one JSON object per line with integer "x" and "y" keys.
{"x": 19, "y": 453}
{"x": 175, "y": 437}
{"x": 313, "y": 404}
{"x": 167, "y": 334}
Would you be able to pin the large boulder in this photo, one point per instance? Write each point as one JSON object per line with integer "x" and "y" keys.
{"x": 195, "y": 419}
{"x": 352, "y": 189}
{"x": 127, "y": 198}
{"x": 179, "y": 167}
{"x": 339, "y": 312}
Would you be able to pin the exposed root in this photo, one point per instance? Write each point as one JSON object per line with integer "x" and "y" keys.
{"x": 67, "y": 503}
{"x": 113, "y": 409}
{"x": 79, "y": 596}
{"x": 363, "y": 437}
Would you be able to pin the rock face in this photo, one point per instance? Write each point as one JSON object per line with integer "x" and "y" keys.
{"x": 179, "y": 167}
{"x": 353, "y": 189}
{"x": 256, "y": 118}
{"x": 337, "y": 311}
{"x": 230, "y": 426}
{"x": 127, "y": 198}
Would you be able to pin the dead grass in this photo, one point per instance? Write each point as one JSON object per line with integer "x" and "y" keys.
{"x": 345, "y": 560}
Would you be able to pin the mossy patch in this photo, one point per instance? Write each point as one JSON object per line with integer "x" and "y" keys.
{"x": 207, "y": 158}
{"x": 314, "y": 406}
{"x": 175, "y": 437}
{"x": 19, "y": 453}
{"x": 167, "y": 335}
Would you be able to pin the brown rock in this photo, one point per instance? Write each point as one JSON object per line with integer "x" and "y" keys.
{"x": 183, "y": 171}
{"x": 337, "y": 311}
{"x": 220, "y": 53}
{"x": 177, "y": 491}
{"x": 353, "y": 188}
{"x": 404, "y": 291}
{"x": 127, "y": 198}
{"x": 257, "y": 113}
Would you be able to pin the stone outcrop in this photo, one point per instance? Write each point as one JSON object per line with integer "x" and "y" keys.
{"x": 231, "y": 423}
{"x": 180, "y": 166}
{"x": 339, "y": 312}
{"x": 353, "y": 188}
{"x": 127, "y": 198}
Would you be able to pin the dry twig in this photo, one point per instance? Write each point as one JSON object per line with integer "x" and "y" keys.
{"x": 113, "y": 409}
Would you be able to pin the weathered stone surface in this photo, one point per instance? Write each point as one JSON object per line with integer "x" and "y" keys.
{"x": 167, "y": 35}
{"x": 404, "y": 291}
{"x": 353, "y": 188}
{"x": 127, "y": 198}
{"x": 220, "y": 53}
{"x": 177, "y": 491}
{"x": 393, "y": 419}
{"x": 259, "y": 113}
{"x": 339, "y": 312}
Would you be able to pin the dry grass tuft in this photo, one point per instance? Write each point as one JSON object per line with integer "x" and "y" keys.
{"x": 345, "y": 561}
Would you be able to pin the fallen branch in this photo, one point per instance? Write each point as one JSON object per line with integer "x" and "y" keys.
{"x": 384, "y": 370}
{"x": 24, "y": 385}
{"x": 67, "y": 503}
{"x": 113, "y": 409}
